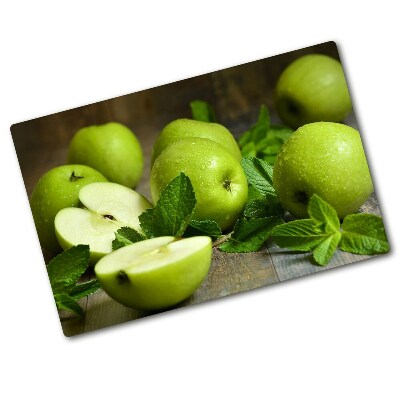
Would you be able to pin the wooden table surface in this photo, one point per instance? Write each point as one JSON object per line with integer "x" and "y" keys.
{"x": 236, "y": 95}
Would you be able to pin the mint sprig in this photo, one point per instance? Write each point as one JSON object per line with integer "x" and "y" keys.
{"x": 64, "y": 272}
{"x": 363, "y": 234}
{"x": 126, "y": 235}
{"x": 262, "y": 199}
{"x": 264, "y": 140}
{"x": 204, "y": 227}
{"x": 322, "y": 233}
{"x": 173, "y": 211}
{"x": 202, "y": 111}
{"x": 250, "y": 234}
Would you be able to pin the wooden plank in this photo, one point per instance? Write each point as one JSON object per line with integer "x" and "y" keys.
{"x": 289, "y": 264}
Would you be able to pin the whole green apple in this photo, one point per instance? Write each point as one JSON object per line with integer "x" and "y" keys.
{"x": 190, "y": 128}
{"x": 311, "y": 89}
{"x": 155, "y": 273}
{"x": 325, "y": 158}
{"x": 111, "y": 149}
{"x": 219, "y": 182}
{"x": 108, "y": 207}
{"x": 55, "y": 190}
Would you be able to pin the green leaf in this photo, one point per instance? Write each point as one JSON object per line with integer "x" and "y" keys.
{"x": 325, "y": 250}
{"x": 301, "y": 235}
{"x": 264, "y": 140}
{"x": 280, "y": 132}
{"x": 202, "y": 111}
{"x": 65, "y": 269}
{"x": 66, "y": 302}
{"x": 259, "y": 130}
{"x": 259, "y": 175}
{"x": 263, "y": 207}
{"x": 244, "y": 139}
{"x": 85, "y": 289}
{"x": 249, "y": 150}
{"x": 146, "y": 221}
{"x": 364, "y": 234}
{"x": 319, "y": 210}
{"x": 173, "y": 211}
{"x": 125, "y": 236}
{"x": 250, "y": 235}
{"x": 205, "y": 227}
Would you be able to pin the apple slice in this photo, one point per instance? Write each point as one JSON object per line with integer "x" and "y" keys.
{"x": 109, "y": 206}
{"x": 155, "y": 273}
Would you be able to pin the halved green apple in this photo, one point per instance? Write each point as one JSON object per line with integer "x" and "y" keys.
{"x": 109, "y": 206}
{"x": 155, "y": 273}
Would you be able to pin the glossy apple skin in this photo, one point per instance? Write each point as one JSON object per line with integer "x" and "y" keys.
{"x": 155, "y": 273}
{"x": 111, "y": 149}
{"x": 57, "y": 189}
{"x": 189, "y": 128}
{"x": 325, "y": 158}
{"x": 311, "y": 89}
{"x": 217, "y": 177}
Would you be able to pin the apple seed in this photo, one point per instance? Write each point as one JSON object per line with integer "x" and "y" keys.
{"x": 122, "y": 277}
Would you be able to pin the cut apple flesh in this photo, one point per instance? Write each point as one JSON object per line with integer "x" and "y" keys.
{"x": 110, "y": 206}
{"x": 123, "y": 204}
{"x": 75, "y": 226}
{"x": 155, "y": 273}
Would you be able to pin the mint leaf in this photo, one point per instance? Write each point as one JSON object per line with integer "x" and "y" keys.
{"x": 146, "y": 221}
{"x": 66, "y": 302}
{"x": 259, "y": 206}
{"x": 325, "y": 250}
{"x": 65, "y": 269}
{"x": 319, "y": 234}
{"x": 202, "y": 111}
{"x": 263, "y": 140}
{"x": 249, "y": 150}
{"x": 280, "y": 132}
{"x": 173, "y": 211}
{"x": 319, "y": 210}
{"x": 85, "y": 289}
{"x": 250, "y": 235}
{"x": 301, "y": 235}
{"x": 125, "y": 236}
{"x": 259, "y": 175}
{"x": 205, "y": 227}
{"x": 363, "y": 234}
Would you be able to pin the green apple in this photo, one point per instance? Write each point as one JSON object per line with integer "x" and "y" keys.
{"x": 109, "y": 206}
{"x": 155, "y": 273}
{"x": 111, "y": 149}
{"x": 311, "y": 89}
{"x": 190, "y": 128}
{"x": 55, "y": 190}
{"x": 217, "y": 177}
{"x": 325, "y": 158}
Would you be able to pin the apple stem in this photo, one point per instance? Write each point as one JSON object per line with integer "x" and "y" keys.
{"x": 227, "y": 184}
{"x": 74, "y": 177}
{"x": 222, "y": 239}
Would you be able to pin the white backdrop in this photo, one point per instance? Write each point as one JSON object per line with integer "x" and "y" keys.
{"x": 334, "y": 335}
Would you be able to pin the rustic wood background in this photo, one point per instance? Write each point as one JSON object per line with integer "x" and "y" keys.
{"x": 236, "y": 94}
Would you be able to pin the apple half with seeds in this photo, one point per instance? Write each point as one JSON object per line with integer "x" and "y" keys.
{"x": 156, "y": 273}
{"x": 108, "y": 207}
